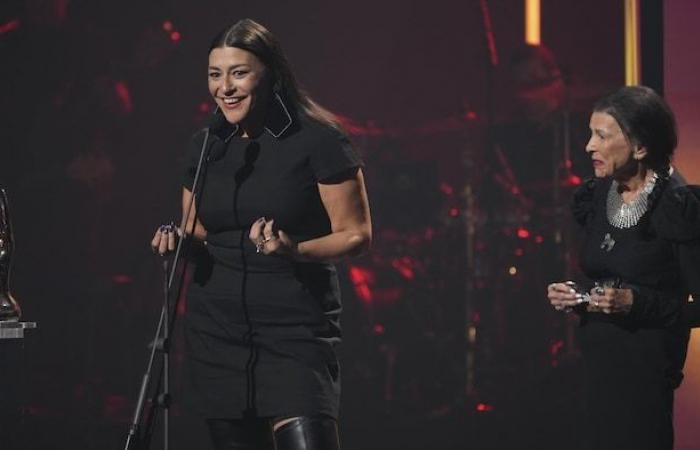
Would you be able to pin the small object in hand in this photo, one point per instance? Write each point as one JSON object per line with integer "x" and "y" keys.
{"x": 608, "y": 243}
{"x": 581, "y": 295}
{"x": 259, "y": 246}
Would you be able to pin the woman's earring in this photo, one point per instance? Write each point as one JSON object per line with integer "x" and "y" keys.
{"x": 286, "y": 112}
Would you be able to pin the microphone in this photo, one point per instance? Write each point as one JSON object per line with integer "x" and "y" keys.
{"x": 216, "y": 121}
{"x": 221, "y": 128}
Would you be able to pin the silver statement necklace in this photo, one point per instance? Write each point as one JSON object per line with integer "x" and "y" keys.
{"x": 627, "y": 215}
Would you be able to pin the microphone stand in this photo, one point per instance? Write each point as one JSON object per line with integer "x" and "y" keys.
{"x": 138, "y": 439}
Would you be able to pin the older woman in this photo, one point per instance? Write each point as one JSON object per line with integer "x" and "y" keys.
{"x": 282, "y": 198}
{"x": 642, "y": 249}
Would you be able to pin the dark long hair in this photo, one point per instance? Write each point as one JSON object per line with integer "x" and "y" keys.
{"x": 249, "y": 35}
{"x": 646, "y": 120}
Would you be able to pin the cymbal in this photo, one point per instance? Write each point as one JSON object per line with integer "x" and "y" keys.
{"x": 442, "y": 125}
{"x": 449, "y": 124}
{"x": 366, "y": 129}
{"x": 582, "y": 96}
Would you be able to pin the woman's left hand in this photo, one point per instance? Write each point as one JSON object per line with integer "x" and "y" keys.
{"x": 269, "y": 240}
{"x": 611, "y": 301}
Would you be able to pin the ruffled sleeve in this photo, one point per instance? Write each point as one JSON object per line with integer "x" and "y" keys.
{"x": 677, "y": 219}
{"x": 583, "y": 204}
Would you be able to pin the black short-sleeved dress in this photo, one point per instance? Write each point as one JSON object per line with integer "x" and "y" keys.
{"x": 260, "y": 330}
{"x": 633, "y": 362}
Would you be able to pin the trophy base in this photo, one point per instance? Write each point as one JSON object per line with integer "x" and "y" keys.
{"x": 14, "y": 329}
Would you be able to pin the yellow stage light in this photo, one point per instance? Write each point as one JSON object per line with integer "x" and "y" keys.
{"x": 532, "y": 22}
{"x": 632, "y": 54}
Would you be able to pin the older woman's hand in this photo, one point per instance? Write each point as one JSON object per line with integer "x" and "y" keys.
{"x": 561, "y": 296}
{"x": 611, "y": 301}
{"x": 269, "y": 240}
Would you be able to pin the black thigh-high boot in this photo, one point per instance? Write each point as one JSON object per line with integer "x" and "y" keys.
{"x": 246, "y": 434}
{"x": 308, "y": 433}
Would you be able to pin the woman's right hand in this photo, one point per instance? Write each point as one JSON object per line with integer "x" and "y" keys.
{"x": 164, "y": 239}
{"x": 561, "y": 296}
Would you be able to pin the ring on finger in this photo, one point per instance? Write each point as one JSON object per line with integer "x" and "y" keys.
{"x": 259, "y": 245}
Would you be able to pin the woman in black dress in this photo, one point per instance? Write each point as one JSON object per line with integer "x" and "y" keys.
{"x": 642, "y": 249}
{"x": 282, "y": 197}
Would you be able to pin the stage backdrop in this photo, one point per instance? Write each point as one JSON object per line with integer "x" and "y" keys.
{"x": 682, "y": 91}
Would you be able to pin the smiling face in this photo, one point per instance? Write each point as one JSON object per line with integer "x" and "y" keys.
{"x": 611, "y": 151}
{"x": 239, "y": 84}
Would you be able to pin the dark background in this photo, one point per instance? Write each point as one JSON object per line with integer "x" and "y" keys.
{"x": 97, "y": 102}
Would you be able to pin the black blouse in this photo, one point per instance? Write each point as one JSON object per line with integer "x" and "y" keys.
{"x": 634, "y": 361}
{"x": 260, "y": 328}
{"x": 659, "y": 258}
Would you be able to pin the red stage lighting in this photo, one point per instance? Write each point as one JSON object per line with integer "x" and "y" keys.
{"x": 523, "y": 233}
{"x": 361, "y": 278}
{"x": 556, "y": 347}
{"x": 124, "y": 96}
{"x": 10, "y": 26}
{"x": 404, "y": 266}
{"x": 574, "y": 180}
{"x": 446, "y": 189}
{"x": 484, "y": 407}
{"x": 120, "y": 278}
{"x": 378, "y": 328}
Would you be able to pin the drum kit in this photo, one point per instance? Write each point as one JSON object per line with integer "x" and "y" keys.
{"x": 459, "y": 245}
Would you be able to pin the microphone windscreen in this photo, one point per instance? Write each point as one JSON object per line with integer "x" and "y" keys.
{"x": 217, "y": 120}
